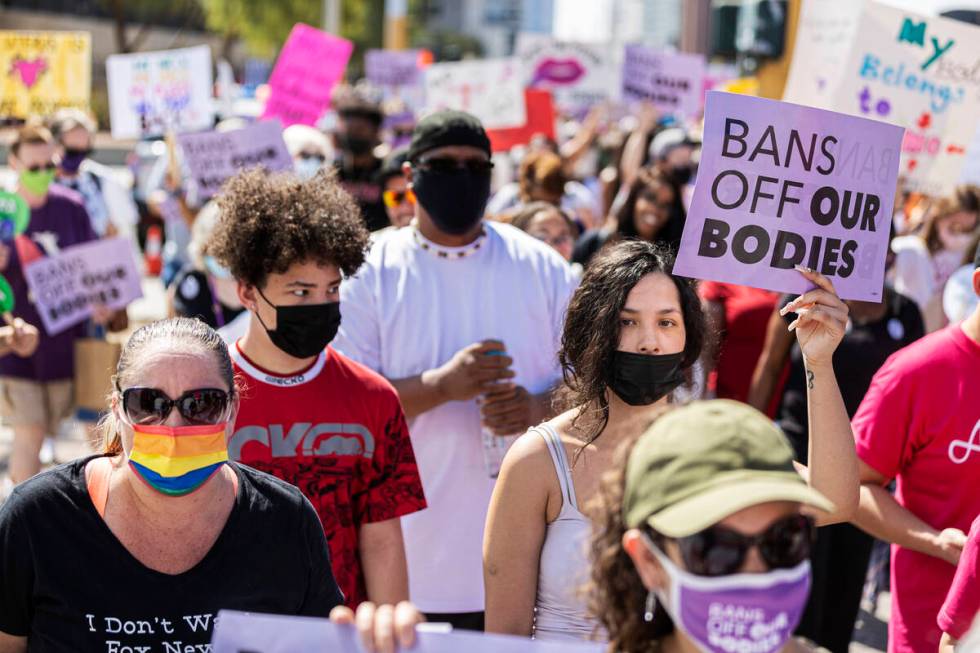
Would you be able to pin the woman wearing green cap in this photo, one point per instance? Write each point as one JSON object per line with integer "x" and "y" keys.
{"x": 632, "y": 331}
{"x": 704, "y": 542}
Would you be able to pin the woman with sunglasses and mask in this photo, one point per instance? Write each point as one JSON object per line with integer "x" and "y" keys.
{"x": 703, "y": 541}
{"x": 632, "y": 332}
{"x": 139, "y": 547}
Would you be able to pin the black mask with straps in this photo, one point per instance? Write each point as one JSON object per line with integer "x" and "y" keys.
{"x": 305, "y": 330}
{"x": 642, "y": 379}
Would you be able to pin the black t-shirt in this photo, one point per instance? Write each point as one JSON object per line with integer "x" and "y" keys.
{"x": 193, "y": 298}
{"x": 363, "y": 185}
{"x": 68, "y": 584}
{"x": 863, "y": 349}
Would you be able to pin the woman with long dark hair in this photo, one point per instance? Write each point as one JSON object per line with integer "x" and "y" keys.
{"x": 632, "y": 332}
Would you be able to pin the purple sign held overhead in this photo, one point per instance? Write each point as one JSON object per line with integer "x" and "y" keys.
{"x": 213, "y": 157}
{"x": 309, "y": 66}
{"x": 392, "y": 67}
{"x": 672, "y": 82}
{"x": 781, "y": 185}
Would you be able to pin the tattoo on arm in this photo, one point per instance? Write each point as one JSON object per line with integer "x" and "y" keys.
{"x": 809, "y": 379}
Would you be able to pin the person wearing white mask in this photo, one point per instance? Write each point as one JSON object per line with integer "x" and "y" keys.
{"x": 925, "y": 261}
{"x": 309, "y": 147}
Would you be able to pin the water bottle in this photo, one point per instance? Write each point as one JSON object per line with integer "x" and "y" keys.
{"x": 495, "y": 446}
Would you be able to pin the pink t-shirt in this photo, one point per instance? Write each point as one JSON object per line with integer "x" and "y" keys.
{"x": 920, "y": 424}
{"x": 963, "y": 602}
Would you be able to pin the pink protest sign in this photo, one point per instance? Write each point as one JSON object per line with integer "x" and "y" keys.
{"x": 309, "y": 66}
{"x": 65, "y": 287}
{"x": 781, "y": 185}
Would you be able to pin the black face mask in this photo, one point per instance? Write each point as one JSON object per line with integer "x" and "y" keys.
{"x": 303, "y": 331}
{"x": 355, "y": 145}
{"x": 454, "y": 200}
{"x": 642, "y": 379}
{"x": 684, "y": 174}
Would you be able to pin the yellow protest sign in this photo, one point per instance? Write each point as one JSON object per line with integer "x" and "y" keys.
{"x": 41, "y": 72}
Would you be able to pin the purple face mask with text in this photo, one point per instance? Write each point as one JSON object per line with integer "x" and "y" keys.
{"x": 739, "y": 613}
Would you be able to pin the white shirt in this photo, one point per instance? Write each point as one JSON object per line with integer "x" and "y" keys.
{"x": 409, "y": 310}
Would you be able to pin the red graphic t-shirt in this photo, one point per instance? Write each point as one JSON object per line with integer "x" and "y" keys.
{"x": 336, "y": 431}
{"x": 919, "y": 424}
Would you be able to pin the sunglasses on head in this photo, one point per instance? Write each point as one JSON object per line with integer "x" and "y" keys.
{"x": 47, "y": 167}
{"x": 720, "y": 551}
{"x": 396, "y": 198}
{"x": 150, "y": 406}
{"x": 449, "y": 165}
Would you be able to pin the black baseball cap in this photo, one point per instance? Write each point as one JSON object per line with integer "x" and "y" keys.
{"x": 447, "y": 128}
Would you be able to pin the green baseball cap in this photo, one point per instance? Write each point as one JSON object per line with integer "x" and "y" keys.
{"x": 701, "y": 463}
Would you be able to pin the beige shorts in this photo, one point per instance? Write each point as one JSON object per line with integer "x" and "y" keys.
{"x": 24, "y": 402}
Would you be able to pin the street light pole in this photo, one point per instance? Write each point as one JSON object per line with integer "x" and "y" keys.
{"x": 396, "y": 24}
{"x": 331, "y": 16}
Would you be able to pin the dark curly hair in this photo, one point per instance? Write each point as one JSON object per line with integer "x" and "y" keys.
{"x": 269, "y": 222}
{"x": 591, "y": 333}
{"x": 616, "y": 594}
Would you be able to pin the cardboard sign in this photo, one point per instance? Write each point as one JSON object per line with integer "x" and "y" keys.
{"x": 65, "y": 287}
{"x": 579, "y": 75}
{"x": 309, "y": 66}
{"x": 918, "y": 72}
{"x": 44, "y": 72}
{"x": 213, "y": 157}
{"x": 151, "y": 93}
{"x": 540, "y": 120}
{"x": 824, "y": 37}
{"x": 490, "y": 89}
{"x": 781, "y": 185}
{"x": 240, "y": 632}
{"x": 673, "y": 82}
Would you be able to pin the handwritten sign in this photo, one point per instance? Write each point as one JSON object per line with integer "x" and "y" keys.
{"x": 44, "y": 72}
{"x": 918, "y": 72}
{"x": 540, "y": 120}
{"x": 309, "y": 66}
{"x": 240, "y": 632}
{"x": 151, "y": 93}
{"x": 781, "y": 185}
{"x": 213, "y": 157}
{"x": 579, "y": 75}
{"x": 15, "y": 215}
{"x": 66, "y": 286}
{"x": 490, "y": 89}
{"x": 824, "y": 37}
{"x": 673, "y": 82}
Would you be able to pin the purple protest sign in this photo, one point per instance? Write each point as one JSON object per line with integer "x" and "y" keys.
{"x": 309, "y": 66}
{"x": 65, "y": 287}
{"x": 392, "y": 67}
{"x": 672, "y": 82}
{"x": 215, "y": 156}
{"x": 781, "y": 185}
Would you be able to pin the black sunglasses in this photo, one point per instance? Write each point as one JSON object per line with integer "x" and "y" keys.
{"x": 150, "y": 406}
{"x": 71, "y": 151}
{"x": 720, "y": 551}
{"x": 47, "y": 167}
{"x": 448, "y": 165}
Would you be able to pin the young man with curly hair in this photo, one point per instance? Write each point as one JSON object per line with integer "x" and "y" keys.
{"x": 309, "y": 415}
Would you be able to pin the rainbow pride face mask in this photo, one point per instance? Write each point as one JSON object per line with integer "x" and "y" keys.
{"x": 177, "y": 460}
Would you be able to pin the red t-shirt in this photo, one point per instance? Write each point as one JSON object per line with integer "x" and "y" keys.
{"x": 919, "y": 423}
{"x": 336, "y": 431}
{"x": 747, "y": 312}
{"x": 963, "y": 601}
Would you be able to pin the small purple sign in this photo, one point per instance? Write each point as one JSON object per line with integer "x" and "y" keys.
{"x": 66, "y": 286}
{"x": 213, "y": 157}
{"x": 392, "y": 67}
{"x": 781, "y": 185}
{"x": 672, "y": 82}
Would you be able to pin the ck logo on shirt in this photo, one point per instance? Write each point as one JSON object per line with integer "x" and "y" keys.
{"x": 960, "y": 450}
{"x": 305, "y": 439}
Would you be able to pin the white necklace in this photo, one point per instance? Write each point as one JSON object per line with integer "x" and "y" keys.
{"x": 455, "y": 253}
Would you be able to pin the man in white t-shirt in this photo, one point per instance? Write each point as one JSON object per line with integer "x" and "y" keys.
{"x": 462, "y": 316}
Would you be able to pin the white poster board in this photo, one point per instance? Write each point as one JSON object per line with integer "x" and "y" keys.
{"x": 579, "y": 75}
{"x": 490, "y": 89}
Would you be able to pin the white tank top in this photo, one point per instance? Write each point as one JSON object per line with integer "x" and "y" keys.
{"x": 560, "y": 608}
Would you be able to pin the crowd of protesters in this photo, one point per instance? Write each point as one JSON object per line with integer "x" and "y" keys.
{"x": 397, "y": 383}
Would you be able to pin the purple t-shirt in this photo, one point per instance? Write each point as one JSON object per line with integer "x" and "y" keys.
{"x": 63, "y": 216}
